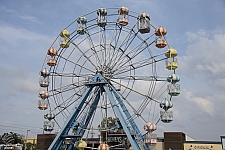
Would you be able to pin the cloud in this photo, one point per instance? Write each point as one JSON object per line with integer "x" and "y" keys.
{"x": 22, "y": 54}
{"x": 205, "y": 104}
{"x": 14, "y": 35}
{"x": 18, "y": 80}
{"x": 204, "y": 59}
{"x": 30, "y": 18}
{"x": 201, "y": 69}
{"x": 205, "y": 46}
{"x": 195, "y": 36}
{"x": 8, "y": 10}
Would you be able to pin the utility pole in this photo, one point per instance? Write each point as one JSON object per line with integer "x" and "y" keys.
{"x": 92, "y": 132}
{"x": 25, "y": 147}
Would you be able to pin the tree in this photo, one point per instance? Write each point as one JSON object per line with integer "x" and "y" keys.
{"x": 108, "y": 123}
{"x": 11, "y": 138}
{"x": 111, "y": 123}
{"x": 31, "y": 146}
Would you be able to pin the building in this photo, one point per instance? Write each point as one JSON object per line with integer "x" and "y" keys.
{"x": 44, "y": 141}
{"x": 180, "y": 141}
{"x": 31, "y": 140}
{"x": 159, "y": 145}
{"x": 170, "y": 141}
{"x": 202, "y": 145}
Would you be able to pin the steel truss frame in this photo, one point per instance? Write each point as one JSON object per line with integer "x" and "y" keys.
{"x": 134, "y": 136}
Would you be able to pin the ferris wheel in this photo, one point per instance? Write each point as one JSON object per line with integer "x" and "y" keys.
{"x": 109, "y": 63}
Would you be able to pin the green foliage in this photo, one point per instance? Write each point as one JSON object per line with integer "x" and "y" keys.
{"x": 31, "y": 146}
{"x": 108, "y": 123}
{"x": 11, "y": 138}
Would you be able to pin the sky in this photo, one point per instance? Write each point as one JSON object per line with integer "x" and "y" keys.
{"x": 196, "y": 29}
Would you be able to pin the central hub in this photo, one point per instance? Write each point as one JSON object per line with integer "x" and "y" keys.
{"x": 105, "y": 71}
{"x": 100, "y": 71}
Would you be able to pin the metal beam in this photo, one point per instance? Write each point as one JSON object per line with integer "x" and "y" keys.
{"x": 131, "y": 121}
{"x": 115, "y": 107}
{"x": 66, "y": 127}
{"x": 85, "y": 123}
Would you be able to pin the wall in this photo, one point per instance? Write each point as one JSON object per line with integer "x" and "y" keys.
{"x": 31, "y": 140}
{"x": 203, "y": 146}
{"x": 174, "y": 140}
{"x": 44, "y": 141}
{"x": 158, "y": 146}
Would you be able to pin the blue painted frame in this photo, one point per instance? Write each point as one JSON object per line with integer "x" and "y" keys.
{"x": 135, "y": 138}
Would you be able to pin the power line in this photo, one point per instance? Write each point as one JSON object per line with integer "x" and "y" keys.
{"x": 15, "y": 130}
{"x": 20, "y": 128}
{"x": 21, "y": 132}
{"x": 18, "y": 124}
{"x": 13, "y": 127}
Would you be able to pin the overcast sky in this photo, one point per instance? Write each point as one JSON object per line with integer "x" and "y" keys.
{"x": 196, "y": 28}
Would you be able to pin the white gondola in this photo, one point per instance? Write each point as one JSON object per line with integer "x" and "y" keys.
{"x": 144, "y": 23}
{"x": 165, "y": 104}
{"x": 166, "y": 116}
{"x": 44, "y": 82}
{"x": 173, "y": 89}
{"x": 42, "y": 104}
{"x": 48, "y": 126}
{"x": 44, "y": 73}
{"x": 150, "y": 139}
{"x": 173, "y": 78}
{"x": 49, "y": 116}
{"x": 81, "y": 29}
{"x": 101, "y": 21}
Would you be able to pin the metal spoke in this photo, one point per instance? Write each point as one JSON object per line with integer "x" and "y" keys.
{"x": 114, "y": 41}
{"x": 77, "y": 64}
{"x": 139, "y": 93}
{"x": 92, "y": 48}
{"x": 136, "y": 65}
{"x": 143, "y": 78}
{"x": 84, "y": 55}
{"x": 128, "y": 56}
{"x": 126, "y": 43}
{"x": 71, "y": 75}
